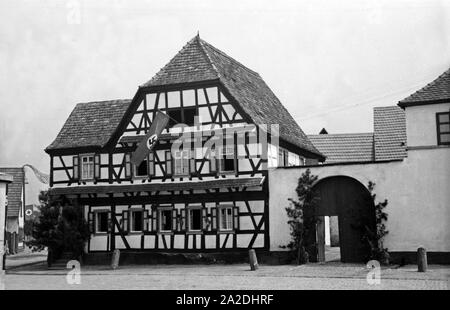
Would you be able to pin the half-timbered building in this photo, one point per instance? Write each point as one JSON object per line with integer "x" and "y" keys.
{"x": 210, "y": 193}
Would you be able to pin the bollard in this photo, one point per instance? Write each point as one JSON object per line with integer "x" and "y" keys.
{"x": 115, "y": 259}
{"x": 422, "y": 264}
{"x": 253, "y": 260}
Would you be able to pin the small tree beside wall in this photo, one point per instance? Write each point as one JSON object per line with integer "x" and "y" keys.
{"x": 301, "y": 217}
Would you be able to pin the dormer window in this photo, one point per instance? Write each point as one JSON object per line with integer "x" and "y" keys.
{"x": 443, "y": 128}
{"x": 182, "y": 116}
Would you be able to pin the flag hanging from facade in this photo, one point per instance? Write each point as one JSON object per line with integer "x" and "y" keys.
{"x": 149, "y": 140}
{"x": 42, "y": 177}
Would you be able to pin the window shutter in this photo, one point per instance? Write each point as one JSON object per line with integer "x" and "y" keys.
{"x": 76, "y": 168}
{"x": 151, "y": 164}
{"x": 205, "y": 224}
{"x": 212, "y": 162}
{"x": 109, "y": 222}
{"x": 236, "y": 218}
{"x": 91, "y": 222}
{"x": 154, "y": 220}
{"x": 146, "y": 220}
{"x": 127, "y": 165}
{"x": 183, "y": 219}
{"x": 174, "y": 219}
{"x": 125, "y": 221}
{"x": 97, "y": 166}
{"x": 168, "y": 163}
{"x": 213, "y": 218}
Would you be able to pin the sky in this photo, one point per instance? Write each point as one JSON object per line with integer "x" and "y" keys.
{"x": 329, "y": 62}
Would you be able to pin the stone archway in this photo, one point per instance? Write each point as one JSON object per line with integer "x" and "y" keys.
{"x": 351, "y": 201}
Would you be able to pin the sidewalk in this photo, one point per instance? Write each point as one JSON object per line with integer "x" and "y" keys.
{"x": 25, "y": 258}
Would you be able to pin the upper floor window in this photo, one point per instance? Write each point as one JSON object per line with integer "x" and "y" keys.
{"x": 142, "y": 169}
{"x": 181, "y": 163}
{"x": 182, "y": 116}
{"x": 443, "y": 128}
{"x": 283, "y": 156}
{"x": 87, "y": 167}
{"x": 227, "y": 159}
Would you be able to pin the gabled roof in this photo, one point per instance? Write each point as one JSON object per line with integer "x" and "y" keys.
{"x": 15, "y": 188}
{"x": 199, "y": 61}
{"x": 340, "y": 148}
{"x": 386, "y": 143}
{"x": 90, "y": 124}
{"x": 434, "y": 92}
{"x": 389, "y": 133}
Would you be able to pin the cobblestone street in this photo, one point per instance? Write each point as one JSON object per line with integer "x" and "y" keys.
{"x": 229, "y": 277}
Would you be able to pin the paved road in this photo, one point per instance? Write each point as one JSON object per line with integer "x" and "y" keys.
{"x": 230, "y": 277}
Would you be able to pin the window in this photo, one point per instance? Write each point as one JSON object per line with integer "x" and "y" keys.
{"x": 101, "y": 222}
{"x": 227, "y": 163}
{"x": 87, "y": 167}
{"x": 195, "y": 219}
{"x": 137, "y": 220}
{"x": 181, "y": 163}
{"x": 443, "y": 128}
{"x": 141, "y": 170}
{"x": 226, "y": 218}
{"x": 282, "y": 157}
{"x": 165, "y": 220}
{"x": 182, "y": 116}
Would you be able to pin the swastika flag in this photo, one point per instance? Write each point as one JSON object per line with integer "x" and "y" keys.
{"x": 149, "y": 140}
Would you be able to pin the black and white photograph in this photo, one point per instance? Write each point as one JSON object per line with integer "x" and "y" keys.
{"x": 223, "y": 150}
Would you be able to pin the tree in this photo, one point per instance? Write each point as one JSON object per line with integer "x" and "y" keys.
{"x": 301, "y": 216}
{"x": 60, "y": 227}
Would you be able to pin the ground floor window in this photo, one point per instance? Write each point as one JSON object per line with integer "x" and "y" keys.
{"x": 101, "y": 222}
{"x": 137, "y": 220}
{"x": 165, "y": 220}
{"x": 226, "y": 218}
{"x": 195, "y": 219}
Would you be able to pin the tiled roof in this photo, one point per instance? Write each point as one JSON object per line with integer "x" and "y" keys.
{"x": 340, "y": 148}
{"x": 387, "y": 142}
{"x": 150, "y": 187}
{"x": 436, "y": 91}
{"x": 200, "y": 61}
{"x": 90, "y": 124}
{"x": 389, "y": 133}
{"x": 14, "y": 190}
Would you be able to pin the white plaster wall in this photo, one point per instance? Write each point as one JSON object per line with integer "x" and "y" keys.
{"x": 421, "y": 124}
{"x": 417, "y": 190}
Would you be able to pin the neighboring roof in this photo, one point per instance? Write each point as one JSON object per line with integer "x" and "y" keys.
{"x": 389, "y": 133}
{"x": 6, "y": 178}
{"x": 386, "y": 143}
{"x": 434, "y": 92}
{"x": 199, "y": 61}
{"x": 15, "y": 193}
{"x": 90, "y": 124}
{"x": 150, "y": 187}
{"x": 340, "y": 148}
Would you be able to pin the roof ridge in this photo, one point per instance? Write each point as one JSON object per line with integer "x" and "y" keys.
{"x": 341, "y": 134}
{"x": 103, "y": 101}
{"x": 205, "y": 52}
{"x": 189, "y": 43}
{"x": 229, "y": 57}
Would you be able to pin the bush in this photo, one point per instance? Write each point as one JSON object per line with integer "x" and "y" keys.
{"x": 60, "y": 228}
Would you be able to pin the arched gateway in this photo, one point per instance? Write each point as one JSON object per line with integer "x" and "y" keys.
{"x": 352, "y": 203}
